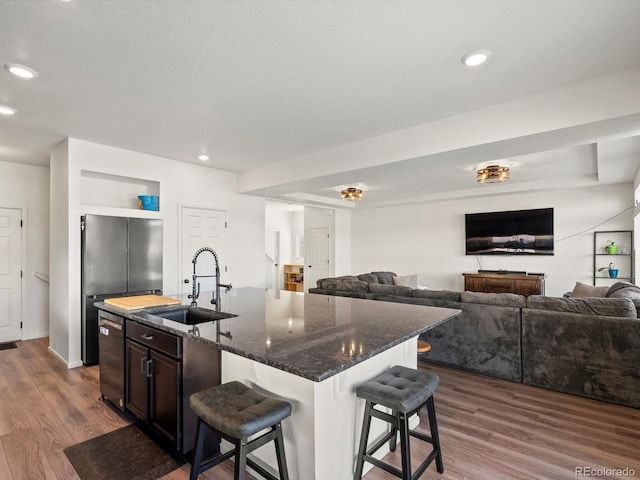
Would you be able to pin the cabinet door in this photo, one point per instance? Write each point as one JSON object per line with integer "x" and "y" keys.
{"x": 474, "y": 284}
{"x": 164, "y": 396}
{"x": 136, "y": 391}
{"x": 527, "y": 287}
{"x": 499, "y": 285}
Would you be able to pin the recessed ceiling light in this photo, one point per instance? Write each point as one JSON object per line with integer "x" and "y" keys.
{"x": 6, "y": 110}
{"x": 475, "y": 58}
{"x": 203, "y": 157}
{"x": 20, "y": 70}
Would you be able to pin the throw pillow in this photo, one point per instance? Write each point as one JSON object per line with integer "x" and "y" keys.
{"x": 406, "y": 280}
{"x": 624, "y": 290}
{"x": 368, "y": 277}
{"x": 385, "y": 278}
{"x": 582, "y": 290}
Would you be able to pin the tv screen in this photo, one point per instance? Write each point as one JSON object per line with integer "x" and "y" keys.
{"x": 516, "y": 232}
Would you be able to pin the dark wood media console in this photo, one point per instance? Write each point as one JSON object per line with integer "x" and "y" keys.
{"x": 522, "y": 284}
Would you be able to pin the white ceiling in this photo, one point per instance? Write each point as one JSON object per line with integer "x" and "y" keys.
{"x": 303, "y": 98}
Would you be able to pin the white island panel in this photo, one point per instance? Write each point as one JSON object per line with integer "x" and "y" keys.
{"x": 322, "y": 434}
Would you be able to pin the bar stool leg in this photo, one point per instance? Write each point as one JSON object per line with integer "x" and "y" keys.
{"x": 197, "y": 451}
{"x": 282, "y": 460}
{"x": 394, "y": 432}
{"x": 431, "y": 410}
{"x": 405, "y": 449}
{"x": 364, "y": 436}
{"x": 241, "y": 460}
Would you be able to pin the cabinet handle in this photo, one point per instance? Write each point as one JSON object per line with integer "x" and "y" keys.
{"x": 149, "y": 368}
{"x": 142, "y": 360}
{"x": 146, "y": 336}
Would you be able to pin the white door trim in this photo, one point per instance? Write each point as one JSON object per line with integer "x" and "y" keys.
{"x": 23, "y": 260}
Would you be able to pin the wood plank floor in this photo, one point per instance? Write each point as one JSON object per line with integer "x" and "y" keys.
{"x": 489, "y": 429}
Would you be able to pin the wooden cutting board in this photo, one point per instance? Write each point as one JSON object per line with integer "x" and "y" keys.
{"x": 141, "y": 301}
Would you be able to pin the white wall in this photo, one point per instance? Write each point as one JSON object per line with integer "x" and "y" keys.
{"x": 59, "y": 301}
{"x": 428, "y": 238}
{"x": 26, "y": 187}
{"x": 180, "y": 184}
{"x": 278, "y": 218}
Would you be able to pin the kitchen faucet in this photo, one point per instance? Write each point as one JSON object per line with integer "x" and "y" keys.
{"x": 195, "y": 289}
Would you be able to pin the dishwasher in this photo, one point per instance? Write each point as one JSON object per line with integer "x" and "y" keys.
{"x": 111, "y": 356}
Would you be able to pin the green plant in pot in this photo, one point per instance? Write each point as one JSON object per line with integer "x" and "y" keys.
{"x": 613, "y": 271}
{"x": 611, "y": 248}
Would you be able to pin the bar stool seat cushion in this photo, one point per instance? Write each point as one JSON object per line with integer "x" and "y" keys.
{"x": 238, "y": 411}
{"x": 400, "y": 388}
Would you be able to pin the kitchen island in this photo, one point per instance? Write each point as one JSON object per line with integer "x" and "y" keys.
{"x": 311, "y": 350}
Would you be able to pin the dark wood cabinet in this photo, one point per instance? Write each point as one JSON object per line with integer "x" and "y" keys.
{"x": 153, "y": 389}
{"x": 504, "y": 283}
{"x": 164, "y": 396}
{"x": 136, "y": 379}
{"x": 162, "y": 371}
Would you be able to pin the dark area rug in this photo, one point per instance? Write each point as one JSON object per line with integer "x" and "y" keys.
{"x": 124, "y": 454}
{"x": 8, "y": 345}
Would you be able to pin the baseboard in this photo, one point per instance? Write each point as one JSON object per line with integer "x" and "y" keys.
{"x": 37, "y": 335}
{"x": 63, "y": 360}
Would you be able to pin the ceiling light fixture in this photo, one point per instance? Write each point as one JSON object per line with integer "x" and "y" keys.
{"x": 20, "y": 70}
{"x": 475, "y": 58}
{"x": 7, "y": 110}
{"x": 351, "y": 194}
{"x": 203, "y": 157}
{"x": 493, "y": 174}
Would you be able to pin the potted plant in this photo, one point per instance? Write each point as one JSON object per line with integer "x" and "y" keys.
{"x": 611, "y": 248}
{"x": 613, "y": 271}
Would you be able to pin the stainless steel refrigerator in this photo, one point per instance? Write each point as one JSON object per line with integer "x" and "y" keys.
{"x": 120, "y": 257}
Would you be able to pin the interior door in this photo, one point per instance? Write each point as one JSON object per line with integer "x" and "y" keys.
{"x": 201, "y": 227}
{"x": 318, "y": 256}
{"x": 10, "y": 274}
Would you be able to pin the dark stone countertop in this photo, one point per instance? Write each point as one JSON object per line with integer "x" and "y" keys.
{"x": 312, "y": 336}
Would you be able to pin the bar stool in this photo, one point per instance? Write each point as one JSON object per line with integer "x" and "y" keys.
{"x": 423, "y": 346}
{"x": 405, "y": 391}
{"x": 235, "y": 412}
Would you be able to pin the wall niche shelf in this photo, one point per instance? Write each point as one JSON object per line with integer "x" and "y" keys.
{"x": 623, "y": 259}
{"x": 103, "y": 190}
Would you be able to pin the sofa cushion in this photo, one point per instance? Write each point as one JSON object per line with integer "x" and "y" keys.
{"x": 368, "y": 277}
{"x": 406, "y": 280}
{"x": 612, "y": 307}
{"x": 449, "y": 295}
{"x": 582, "y": 290}
{"x": 342, "y": 293}
{"x": 497, "y": 299}
{"x": 382, "y": 289}
{"x": 386, "y": 278}
{"x": 348, "y": 283}
{"x": 623, "y": 290}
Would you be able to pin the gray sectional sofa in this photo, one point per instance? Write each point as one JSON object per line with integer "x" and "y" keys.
{"x": 588, "y": 346}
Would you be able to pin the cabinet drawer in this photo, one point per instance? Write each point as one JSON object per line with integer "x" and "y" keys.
{"x": 153, "y": 338}
{"x": 500, "y": 283}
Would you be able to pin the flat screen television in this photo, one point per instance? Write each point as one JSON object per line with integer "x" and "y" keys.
{"x": 516, "y": 232}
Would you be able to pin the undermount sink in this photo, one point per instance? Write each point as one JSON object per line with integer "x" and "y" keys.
{"x": 193, "y": 315}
